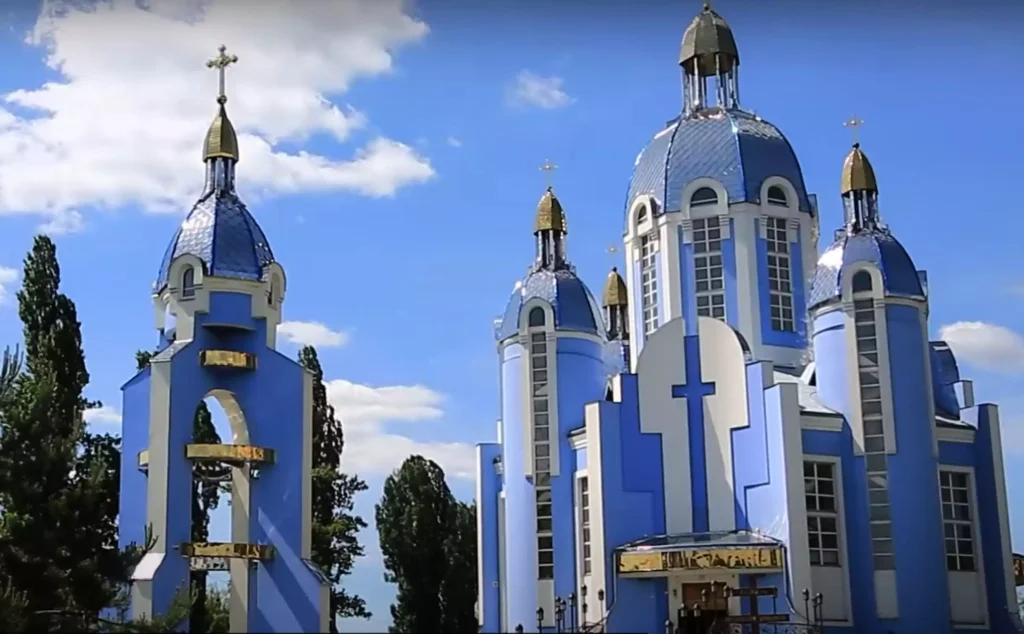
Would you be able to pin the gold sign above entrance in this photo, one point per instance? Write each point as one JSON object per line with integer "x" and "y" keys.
{"x": 696, "y": 559}
{"x": 227, "y": 359}
{"x": 1018, "y": 569}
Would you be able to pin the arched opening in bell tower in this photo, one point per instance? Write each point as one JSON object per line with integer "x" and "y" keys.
{"x": 219, "y": 509}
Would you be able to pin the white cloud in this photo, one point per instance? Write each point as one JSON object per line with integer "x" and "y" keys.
{"x": 530, "y": 89}
{"x": 103, "y": 419}
{"x": 312, "y": 333}
{"x": 66, "y": 221}
{"x": 123, "y": 122}
{"x": 452, "y": 141}
{"x": 984, "y": 345}
{"x": 372, "y": 449}
{"x": 7, "y": 277}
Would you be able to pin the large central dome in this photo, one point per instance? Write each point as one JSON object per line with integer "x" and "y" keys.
{"x": 734, "y": 147}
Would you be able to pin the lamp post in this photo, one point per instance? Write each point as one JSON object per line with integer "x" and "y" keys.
{"x": 807, "y": 613}
{"x": 572, "y": 611}
{"x": 519, "y": 629}
{"x": 559, "y": 613}
{"x": 583, "y": 604}
{"x": 819, "y": 616}
{"x": 540, "y": 619}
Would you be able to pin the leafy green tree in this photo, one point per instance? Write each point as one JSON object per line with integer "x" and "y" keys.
{"x": 428, "y": 540}
{"x": 335, "y": 542}
{"x": 55, "y": 478}
{"x": 205, "y": 498}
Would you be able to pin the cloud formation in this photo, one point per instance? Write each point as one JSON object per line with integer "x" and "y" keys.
{"x": 311, "y": 333}
{"x": 123, "y": 121}
{"x": 103, "y": 420}
{"x": 7, "y": 278}
{"x": 985, "y": 345}
{"x": 530, "y": 89}
{"x": 371, "y": 449}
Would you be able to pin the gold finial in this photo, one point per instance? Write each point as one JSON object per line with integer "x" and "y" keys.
{"x": 221, "y": 140}
{"x": 858, "y": 175}
{"x": 854, "y": 124}
{"x": 550, "y": 216}
{"x": 221, "y": 63}
{"x": 615, "y": 293}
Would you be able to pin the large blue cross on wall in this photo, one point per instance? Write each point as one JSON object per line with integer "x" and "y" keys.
{"x": 694, "y": 392}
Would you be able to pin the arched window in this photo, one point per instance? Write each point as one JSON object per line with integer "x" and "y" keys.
{"x": 188, "y": 282}
{"x": 537, "y": 317}
{"x": 703, "y": 196}
{"x": 861, "y": 282}
{"x": 641, "y": 215}
{"x": 777, "y": 196}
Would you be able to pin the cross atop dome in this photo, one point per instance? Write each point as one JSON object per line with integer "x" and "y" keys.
{"x": 221, "y": 62}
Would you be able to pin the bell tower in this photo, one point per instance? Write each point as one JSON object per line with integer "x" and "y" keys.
{"x": 217, "y": 302}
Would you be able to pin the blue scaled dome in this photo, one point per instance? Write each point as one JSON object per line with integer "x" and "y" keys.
{"x": 734, "y": 147}
{"x": 219, "y": 230}
{"x": 878, "y": 248}
{"x": 222, "y": 233}
{"x": 553, "y": 279}
{"x": 573, "y": 305}
{"x": 863, "y": 239}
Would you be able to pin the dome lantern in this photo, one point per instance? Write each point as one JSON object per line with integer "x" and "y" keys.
{"x": 710, "y": 62}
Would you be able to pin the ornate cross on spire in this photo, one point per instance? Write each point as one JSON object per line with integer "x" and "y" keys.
{"x": 547, "y": 168}
{"x": 221, "y": 62}
{"x": 854, "y": 123}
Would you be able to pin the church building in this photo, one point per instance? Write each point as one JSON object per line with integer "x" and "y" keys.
{"x": 743, "y": 433}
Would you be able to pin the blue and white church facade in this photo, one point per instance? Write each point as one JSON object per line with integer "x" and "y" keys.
{"x": 744, "y": 432}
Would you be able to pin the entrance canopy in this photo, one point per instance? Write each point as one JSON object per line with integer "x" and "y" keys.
{"x": 727, "y": 551}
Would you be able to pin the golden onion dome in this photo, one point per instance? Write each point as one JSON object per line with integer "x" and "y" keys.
{"x": 615, "y": 293}
{"x": 549, "y": 214}
{"x": 221, "y": 140}
{"x": 858, "y": 175}
{"x": 709, "y": 43}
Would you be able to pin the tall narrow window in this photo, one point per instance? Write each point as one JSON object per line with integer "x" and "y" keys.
{"x": 957, "y": 520}
{"x": 649, "y": 281}
{"x": 707, "y": 268}
{"x": 822, "y": 513}
{"x": 542, "y": 452}
{"x": 780, "y": 287}
{"x": 584, "y": 493}
{"x": 188, "y": 282}
{"x": 879, "y": 512}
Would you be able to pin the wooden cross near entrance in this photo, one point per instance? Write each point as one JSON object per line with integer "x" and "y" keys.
{"x": 854, "y": 123}
{"x": 694, "y": 392}
{"x": 221, "y": 62}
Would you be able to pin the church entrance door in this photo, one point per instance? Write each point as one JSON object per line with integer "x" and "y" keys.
{"x": 703, "y": 610}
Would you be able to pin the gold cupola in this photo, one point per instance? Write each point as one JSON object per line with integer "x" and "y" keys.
{"x": 615, "y": 290}
{"x": 708, "y": 47}
{"x": 221, "y": 140}
{"x": 858, "y": 175}
{"x": 550, "y": 216}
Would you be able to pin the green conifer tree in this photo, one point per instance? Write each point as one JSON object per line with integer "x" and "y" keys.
{"x": 335, "y": 527}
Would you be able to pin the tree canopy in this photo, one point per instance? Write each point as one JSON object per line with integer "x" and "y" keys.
{"x": 428, "y": 540}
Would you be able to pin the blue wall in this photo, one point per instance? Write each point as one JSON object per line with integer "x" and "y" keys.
{"x": 134, "y": 438}
{"x": 487, "y": 511}
{"x": 634, "y": 506}
{"x": 581, "y": 380}
{"x": 770, "y": 336}
{"x": 520, "y": 513}
{"x": 984, "y": 417}
{"x": 921, "y": 584}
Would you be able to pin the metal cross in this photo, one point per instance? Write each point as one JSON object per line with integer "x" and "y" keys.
{"x": 854, "y": 123}
{"x": 221, "y": 62}
{"x": 547, "y": 168}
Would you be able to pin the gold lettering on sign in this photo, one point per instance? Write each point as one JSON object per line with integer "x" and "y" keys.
{"x": 227, "y": 359}
{"x": 229, "y": 549}
{"x": 702, "y": 559}
{"x": 1018, "y": 570}
{"x": 229, "y": 453}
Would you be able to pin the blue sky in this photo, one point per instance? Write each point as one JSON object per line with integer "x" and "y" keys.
{"x": 391, "y": 156}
